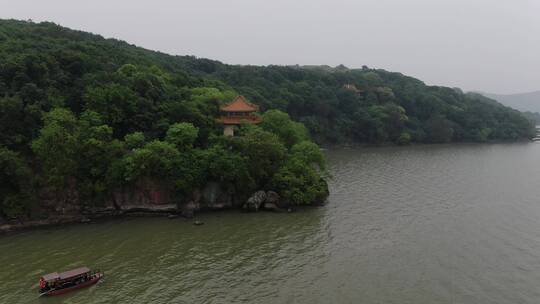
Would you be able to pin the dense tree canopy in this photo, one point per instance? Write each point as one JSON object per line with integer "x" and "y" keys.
{"x": 94, "y": 114}
{"x": 16, "y": 192}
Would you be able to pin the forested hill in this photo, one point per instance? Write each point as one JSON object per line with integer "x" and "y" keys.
{"x": 47, "y": 65}
{"x": 85, "y": 121}
{"x": 529, "y": 102}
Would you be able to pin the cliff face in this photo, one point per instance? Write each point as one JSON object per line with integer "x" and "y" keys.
{"x": 146, "y": 197}
{"x": 143, "y": 195}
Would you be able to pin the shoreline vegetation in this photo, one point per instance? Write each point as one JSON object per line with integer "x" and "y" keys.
{"x": 92, "y": 126}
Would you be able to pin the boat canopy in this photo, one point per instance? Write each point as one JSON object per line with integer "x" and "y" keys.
{"x": 51, "y": 277}
{"x": 66, "y": 275}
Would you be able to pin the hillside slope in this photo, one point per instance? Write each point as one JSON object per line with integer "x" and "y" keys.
{"x": 523, "y": 102}
{"x": 92, "y": 126}
{"x": 48, "y": 65}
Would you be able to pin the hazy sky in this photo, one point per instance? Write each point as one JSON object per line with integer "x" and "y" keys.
{"x": 488, "y": 45}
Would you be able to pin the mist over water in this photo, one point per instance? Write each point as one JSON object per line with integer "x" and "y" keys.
{"x": 422, "y": 224}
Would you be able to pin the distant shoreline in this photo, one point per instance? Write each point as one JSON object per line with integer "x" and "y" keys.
{"x": 326, "y": 146}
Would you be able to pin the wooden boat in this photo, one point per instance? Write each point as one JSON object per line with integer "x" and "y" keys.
{"x": 55, "y": 283}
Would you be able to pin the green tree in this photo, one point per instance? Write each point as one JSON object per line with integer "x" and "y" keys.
{"x": 299, "y": 184}
{"x": 116, "y": 103}
{"x": 263, "y": 151}
{"x": 134, "y": 140}
{"x": 404, "y": 138}
{"x": 309, "y": 153}
{"x": 157, "y": 159}
{"x": 18, "y": 122}
{"x": 222, "y": 164}
{"x": 439, "y": 129}
{"x": 57, "y": 146}
{"x": 182, "y": 135}
{"x": 280, "y": 123}
{"x": 16, "y": 190}
{"x": 97, "y": 152}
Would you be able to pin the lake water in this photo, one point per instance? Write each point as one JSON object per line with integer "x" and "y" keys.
{"x": 422, "y": 224}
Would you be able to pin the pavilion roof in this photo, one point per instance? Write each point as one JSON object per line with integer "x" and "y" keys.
{"x": 239, "y": 104}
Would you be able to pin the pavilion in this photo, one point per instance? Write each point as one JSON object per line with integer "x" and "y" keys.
{"x": 237, "y": 112}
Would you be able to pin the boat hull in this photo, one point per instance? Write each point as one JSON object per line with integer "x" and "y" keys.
{"x": 88, "y": 283}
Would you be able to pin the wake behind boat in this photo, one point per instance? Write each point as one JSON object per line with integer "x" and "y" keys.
{"x": 59, "y": 283}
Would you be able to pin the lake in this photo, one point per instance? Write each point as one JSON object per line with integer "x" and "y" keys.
{"x": 419, "y": 224}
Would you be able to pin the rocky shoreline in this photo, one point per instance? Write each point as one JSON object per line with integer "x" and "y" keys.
{"x": 259, "y": 201}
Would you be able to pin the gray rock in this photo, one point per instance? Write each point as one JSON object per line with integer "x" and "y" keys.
{"x": 188, "y": 214}
{"x": 272, "y": 202}
{"x": 196, "y": 196}
{"x": 211, "y": 192}
{"x": 272, "y": 207}
{"x": 188, "y": 210}
{"x": 272, "y": 197}
{"x": 216, "y": 197}
{"x": 219, "y": 206}
{"x": 149, "y": 208}
{"x": 255, "y": 201}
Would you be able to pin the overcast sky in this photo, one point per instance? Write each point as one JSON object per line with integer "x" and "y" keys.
{"x": 486, "y": 45}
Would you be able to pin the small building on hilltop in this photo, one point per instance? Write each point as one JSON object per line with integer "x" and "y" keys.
{"x": 352, "y": 88}
{"x": 237, "y": 112}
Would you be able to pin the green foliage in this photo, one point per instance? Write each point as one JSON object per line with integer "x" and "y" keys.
{"x": 97, "y": 152}
{"x": 533, "y": 117}
{"x": 155, "y": 160}
{"x": 263, "y": 151}
{"x": 93, "y": 114}
{"x": 57, "y": 146}
{"x": 117, "y": 103}
{"x": 309, "y": 153}
{"x": 205, "y": 94}
{"x": 19, "y": 122}
{"x": 300, "y": 180}
{"x": 134, "y": 140}
{"x": 280, "y": 123}
{"x": 182, "y": 135}
{"x": 16, "y": 191}
{"x": 136, "y": 90}
{"x": 404, "y": 138}
{"x": 299, "y": 184}
{"x": 222, "y": 164}
{"x": 77, "y": 149}
{"x": 439, "y": 129}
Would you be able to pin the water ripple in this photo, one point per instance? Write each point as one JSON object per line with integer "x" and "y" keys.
{"x": 423, "y": 224}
